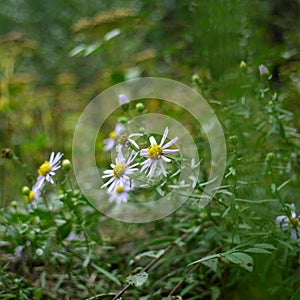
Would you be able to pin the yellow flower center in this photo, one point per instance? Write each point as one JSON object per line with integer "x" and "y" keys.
{"x": 112, "y": 135}
{"x": 119, "y": 170}
{"x": 44, "y": 169}
{"x": 119, "y": 189}
{"x": 154, "y": 151}
{"x": 31, "y": 196}
{"x": 293, "y": 221}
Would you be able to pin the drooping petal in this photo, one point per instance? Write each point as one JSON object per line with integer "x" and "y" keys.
{"x": 293, "y": 234}
{"x": 152, "y": 168}
{"x": 162, "y": 167}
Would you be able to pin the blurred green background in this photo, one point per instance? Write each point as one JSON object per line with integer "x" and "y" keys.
{"x": 55, "y": 56}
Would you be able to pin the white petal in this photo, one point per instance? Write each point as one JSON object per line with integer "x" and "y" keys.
{"x": 164, "y": 136}
{"x": 51, "y": 158}
{"x": 169, "y": 144}
{"x": 134, "y": 143}
{"x": 144, "y": 153}
{"x": 281, "y": 220}
{"x": 165, "y": 159}
{"x": 163, "y": 169}
{"x": 119, "y": 129}
{"x": 170, "y": 151}
{"x": 152, "y": 168}
{"x": 123, "y": 99}
{"x": 152, "y": 140}
{"x": 293, "y": 234}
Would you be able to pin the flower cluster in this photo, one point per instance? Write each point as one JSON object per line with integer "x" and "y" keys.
{"x": 120, "y": 181}
{"x": 46, "y": 172}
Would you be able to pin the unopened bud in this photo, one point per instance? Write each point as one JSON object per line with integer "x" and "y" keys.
{"x": 66, "y": 164}
{"x": 243, "y": 65}
{"x": 233, "y": 139}
{"x": 270, "y": 156}
{"x": 122, "y": 120}
{"x": 140, "y": 107}
{"x": 25, "y": 190}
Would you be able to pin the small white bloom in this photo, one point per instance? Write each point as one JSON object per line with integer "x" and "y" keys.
{"x": 34, "y": 195}
{"x": 113, "y": 135}
{"x": 48, "y": 168}
{"x": 120, "y": 172}
{"x": 123, "y": 99}
{"x": 291, "y": 222}
{"x": 263, "y": 70}
{"x": 18, "y": 251}
{"x": 39, "y": 252}
{"x": 155, "y": 154}
{"x": 120, "y": 194}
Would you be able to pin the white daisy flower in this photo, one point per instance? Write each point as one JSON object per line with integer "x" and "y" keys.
{"x": 291, "y": 222}
{"x": 113, "y": 136}
{"x": 120, "y": 172}
{"x": 48, "y": 168}
{"x": 120, "y": 194}
{"x": 155, "y": 154}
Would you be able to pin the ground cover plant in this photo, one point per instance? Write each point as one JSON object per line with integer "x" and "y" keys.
{"x": 243, "y": 58}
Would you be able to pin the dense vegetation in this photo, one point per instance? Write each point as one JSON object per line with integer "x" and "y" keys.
{"x": 242, "y": 57}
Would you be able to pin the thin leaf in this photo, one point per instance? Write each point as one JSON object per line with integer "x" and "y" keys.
{"x": 107, "y": 274}
{"x": 257, "y": 250}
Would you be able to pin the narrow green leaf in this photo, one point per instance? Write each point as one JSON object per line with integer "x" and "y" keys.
{"x": 257, "y": 250}
{"x": 296, "y": 295}
{"x": 265, "y": 246}
{"x": 219, "y": 255}
{"x": 107, "y": 274}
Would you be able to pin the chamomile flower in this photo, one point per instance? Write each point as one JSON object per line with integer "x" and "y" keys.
{"x": 112, "y": 137}
{"x": 48, "y": 168}
{"x": 120, "y": 172}
{"x": 120, "y": 194}
{"x": 290, "y": 222}
{"x": 156, "y": 154}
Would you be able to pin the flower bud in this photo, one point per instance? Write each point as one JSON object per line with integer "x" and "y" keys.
{"x": 243, "y": 65}
{"x": 14, "y": 204}
{"x": 66, "y": 164}
{"x": 122, "y": 120}
{"x": 25, "y": 190}
{"x": 270, "y": 156}
{"x": 140, "y": 107}
{"x": 233, "y": 139}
